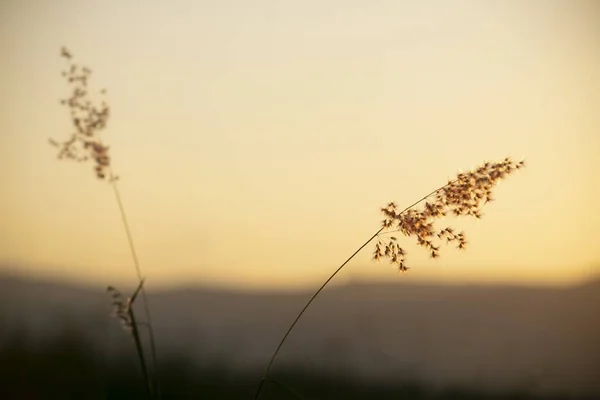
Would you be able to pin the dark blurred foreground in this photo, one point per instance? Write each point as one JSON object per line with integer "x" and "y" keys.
{"x": 361, "y": 341}
{"x": 67, "y": 367}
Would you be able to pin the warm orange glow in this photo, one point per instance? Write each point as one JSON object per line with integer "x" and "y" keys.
{"x": 256, "y": 142}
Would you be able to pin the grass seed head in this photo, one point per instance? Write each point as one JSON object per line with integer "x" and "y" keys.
{"x": 121, "y": 307}
{"x": 88, "y": 120}
{"x": 465, "y": 195}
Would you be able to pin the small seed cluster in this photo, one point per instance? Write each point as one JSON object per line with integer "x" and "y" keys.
{"x": 464, "y": 195}
{"x": 121, "y": 307}
{"x": 88, "y": 119}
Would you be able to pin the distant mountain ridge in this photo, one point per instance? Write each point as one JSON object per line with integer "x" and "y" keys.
{"x": 538, "y": 338}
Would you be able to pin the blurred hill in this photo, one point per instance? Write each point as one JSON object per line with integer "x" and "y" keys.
{"x": 537, "y": 339}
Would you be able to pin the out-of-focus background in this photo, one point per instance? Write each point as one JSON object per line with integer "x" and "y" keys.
{"x": 380, "y": 341}
{"x": 255, "y": 142}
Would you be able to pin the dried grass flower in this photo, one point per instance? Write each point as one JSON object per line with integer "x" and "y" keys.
{"x": 463, "y": 196}
{"x": 123, "y": 307}
{"x": 88, "y": 120}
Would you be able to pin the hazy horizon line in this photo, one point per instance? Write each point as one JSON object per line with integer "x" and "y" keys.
{"x": 20, "y": 271}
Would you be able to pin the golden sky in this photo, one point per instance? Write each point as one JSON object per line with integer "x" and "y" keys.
{"x": 256, "y": 140}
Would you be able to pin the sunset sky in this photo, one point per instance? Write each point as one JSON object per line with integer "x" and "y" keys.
{"x": 257, "y": 140}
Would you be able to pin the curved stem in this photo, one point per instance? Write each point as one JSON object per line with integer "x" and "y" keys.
{"x": 266, "y": 374}
{"x": 304, "y": 309}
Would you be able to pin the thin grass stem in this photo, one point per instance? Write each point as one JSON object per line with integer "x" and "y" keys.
{"x": 140, "y": 351}
{"x": 268, "y": 369}
{"x": 143, "y": 290}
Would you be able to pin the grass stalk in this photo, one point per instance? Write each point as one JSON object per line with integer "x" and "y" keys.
{"x": 85, "y": 144}
{"x": 144, "y": 296}
{"x": 138, "y": 342}
{"x": 314, "y": 296}
{"x": 462, "y": 196}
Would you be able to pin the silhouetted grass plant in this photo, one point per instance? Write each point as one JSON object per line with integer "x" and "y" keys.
{"x": 463, "y": 196}
{"x": 84, "y": 144}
